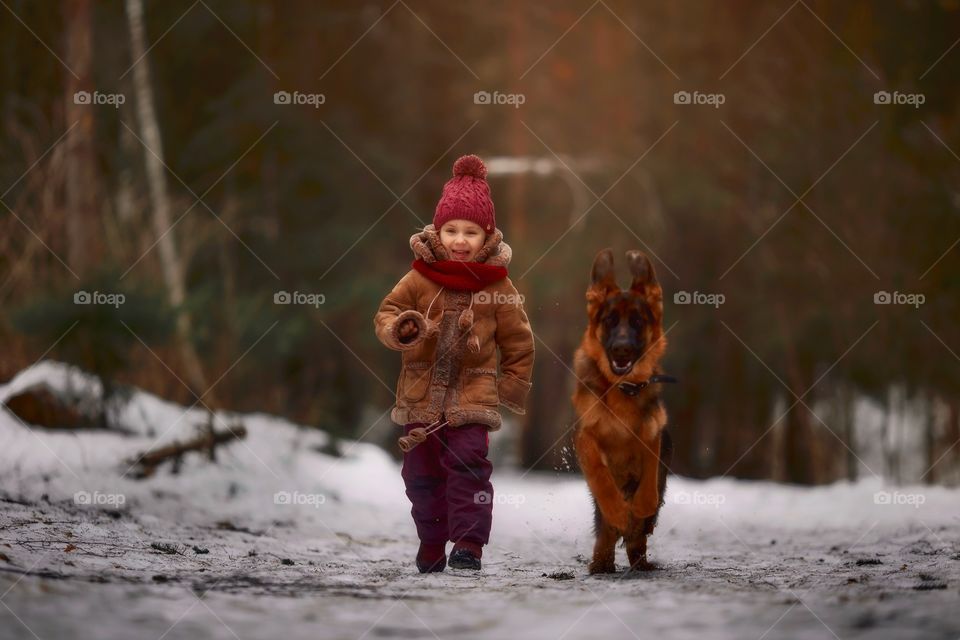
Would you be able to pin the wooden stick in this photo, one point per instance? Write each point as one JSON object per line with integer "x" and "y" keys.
{"x": 418, "y": 435}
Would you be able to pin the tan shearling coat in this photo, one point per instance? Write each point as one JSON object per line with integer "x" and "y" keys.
{"x": 451, "y": 367}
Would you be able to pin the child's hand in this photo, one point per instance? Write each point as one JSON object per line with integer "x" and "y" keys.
{"x": 407, "y": 330}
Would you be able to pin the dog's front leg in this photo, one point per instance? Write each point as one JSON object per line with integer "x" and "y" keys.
{"x": 605, "y": 491}
{"x": 646, "y": 500}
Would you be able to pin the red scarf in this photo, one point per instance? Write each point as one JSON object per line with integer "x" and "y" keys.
{"x": 454, "y": 274}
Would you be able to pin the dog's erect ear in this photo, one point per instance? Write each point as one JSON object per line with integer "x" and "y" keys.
{"x": 603, "y": 276}
{"x": 641, "y": 269}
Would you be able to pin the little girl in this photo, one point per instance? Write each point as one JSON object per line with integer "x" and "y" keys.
{"x": 448, "y": 315}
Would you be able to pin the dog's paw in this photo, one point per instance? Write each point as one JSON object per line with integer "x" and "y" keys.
{"x": 643, "y": 564}
{"x": 602, "y": 566}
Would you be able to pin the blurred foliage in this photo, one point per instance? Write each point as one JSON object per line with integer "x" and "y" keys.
{"x": 104, "y": 325}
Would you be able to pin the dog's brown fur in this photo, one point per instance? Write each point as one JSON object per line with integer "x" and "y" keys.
{"x": 621, "y": 441}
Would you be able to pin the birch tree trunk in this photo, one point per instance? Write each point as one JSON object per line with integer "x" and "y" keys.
{"x": 170, "y": 260}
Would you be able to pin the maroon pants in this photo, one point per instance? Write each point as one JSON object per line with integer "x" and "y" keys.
{"x": 448, "y": 482}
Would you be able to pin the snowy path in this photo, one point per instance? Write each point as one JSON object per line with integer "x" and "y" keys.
{"x": 724, "y": 576}
{"x": 739, "y": 559}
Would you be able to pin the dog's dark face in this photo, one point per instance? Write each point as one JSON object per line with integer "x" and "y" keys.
{"x": 625, "y": 320}
{"x": 627, "y": 323}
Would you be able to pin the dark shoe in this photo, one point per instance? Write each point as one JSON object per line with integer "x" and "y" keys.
{"x": 431, "y": 558}
{"x": 464, "y": 557}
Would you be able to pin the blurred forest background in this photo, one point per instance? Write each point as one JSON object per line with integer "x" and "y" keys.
{"x": 185, "y": 185}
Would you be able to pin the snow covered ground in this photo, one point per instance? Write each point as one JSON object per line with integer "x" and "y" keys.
{"x": 280, "y": 539}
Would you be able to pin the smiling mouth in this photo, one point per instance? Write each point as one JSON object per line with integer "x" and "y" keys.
{"x": 460, "y": 254}
{"x": 621, "y": 366}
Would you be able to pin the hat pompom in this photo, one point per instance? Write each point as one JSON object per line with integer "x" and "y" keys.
{"x": 469, "y": 166}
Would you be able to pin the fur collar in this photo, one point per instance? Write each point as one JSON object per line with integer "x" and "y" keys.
{"x": 426, "y": 244}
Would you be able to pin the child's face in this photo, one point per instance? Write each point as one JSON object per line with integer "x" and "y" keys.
{"x": 462, "y": 239}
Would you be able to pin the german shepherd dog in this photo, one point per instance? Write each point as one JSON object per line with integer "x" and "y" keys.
{"x": 620, "y": 440}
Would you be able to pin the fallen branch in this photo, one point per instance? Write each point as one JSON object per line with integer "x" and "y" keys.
{"x": 206, "y": 443}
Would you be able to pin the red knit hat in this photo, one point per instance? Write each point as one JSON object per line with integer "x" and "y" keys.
{"x": 466, "y": 196}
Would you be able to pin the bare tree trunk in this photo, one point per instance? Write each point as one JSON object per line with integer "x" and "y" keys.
{"x": 953, "y": 437}
{"x": 84, "y": 245}
{"x": 800, "y": 467}
{"x": 930, "y": 439}
{"x": 518, "y": 137}
{"x": 802, "y": 454}
{"x": 890, "y": 435}
{"x": 778, "y": 447}
{"x": 847, "y": 406}
{"x": 542, "y": 429}
{"x": 171, "y": 263}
